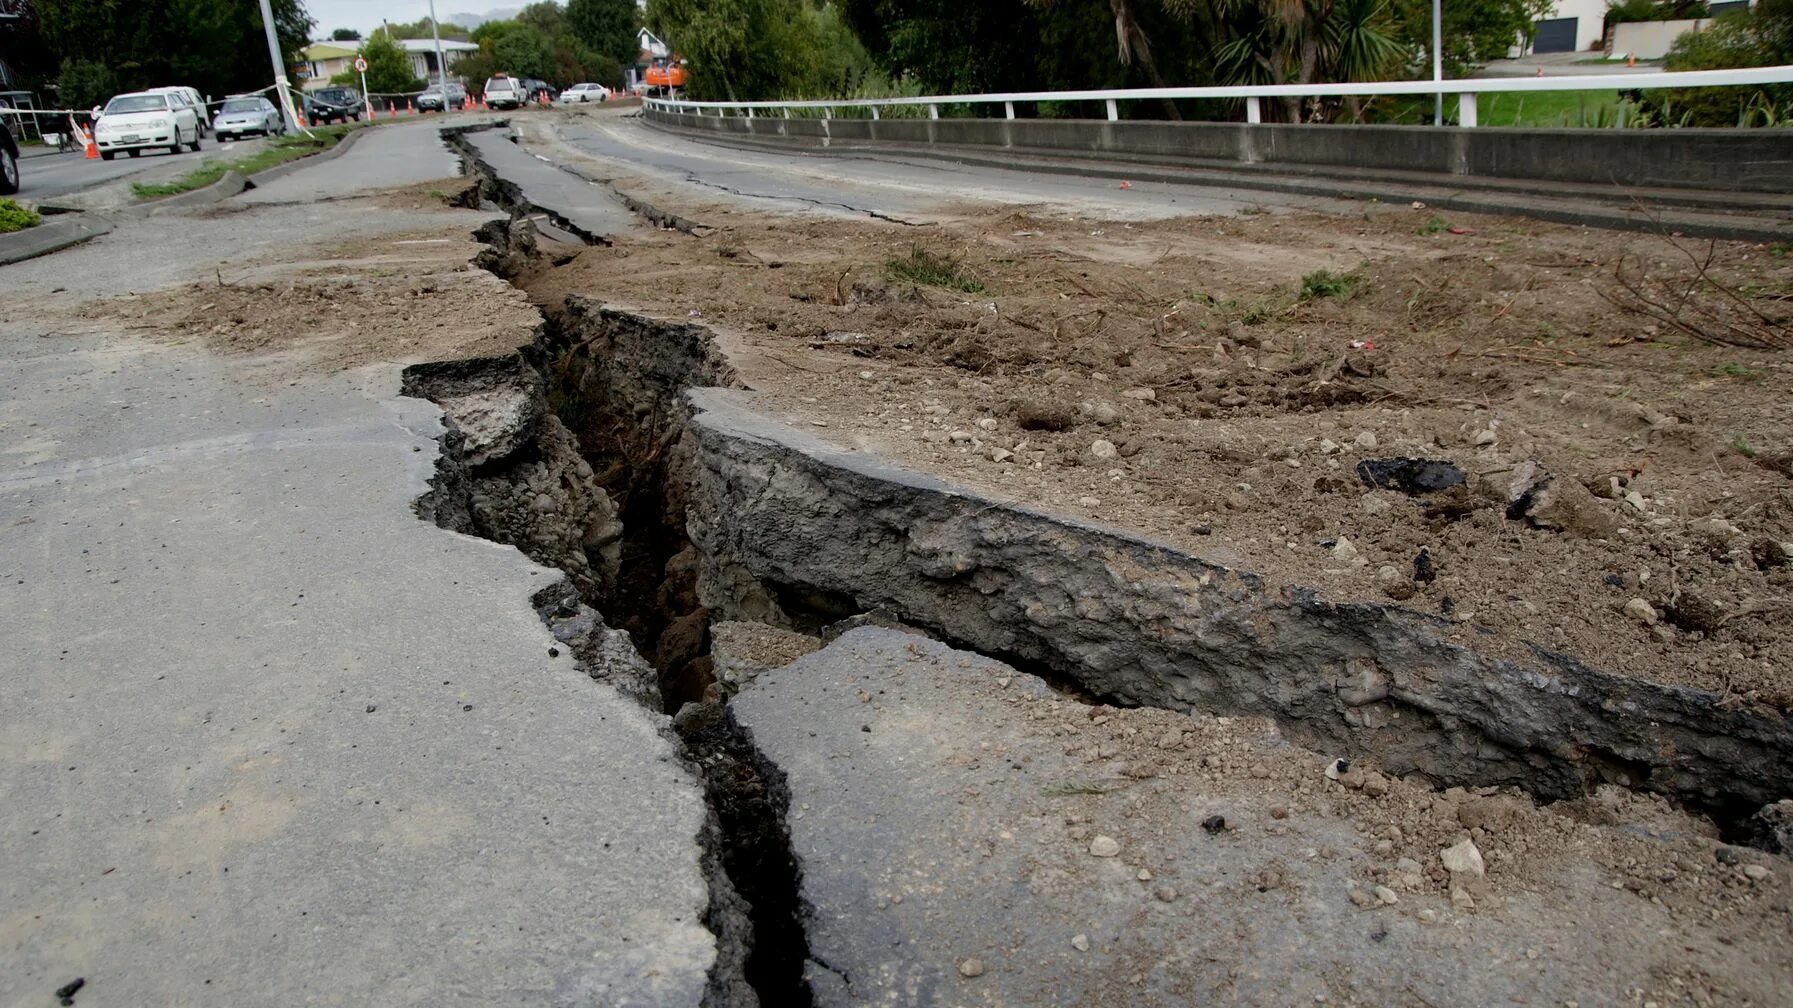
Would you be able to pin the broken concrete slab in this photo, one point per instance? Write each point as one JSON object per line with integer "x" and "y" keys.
{"x": 778, "y": 513}
{"x": 532, "y": 184}
{"x": 966, "y": 836}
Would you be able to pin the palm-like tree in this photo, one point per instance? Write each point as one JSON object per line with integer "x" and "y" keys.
{"x": 1305, "y": 42}
{"x": 1271, "y": 41}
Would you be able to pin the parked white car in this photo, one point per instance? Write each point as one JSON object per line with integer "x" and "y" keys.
{"x": 581, "y": 93}
{"x": 145, "y": 120}
{"x": 191, "y": 97}
{"x": 241, "y": 115}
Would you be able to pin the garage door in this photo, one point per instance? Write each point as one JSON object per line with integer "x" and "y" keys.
{"x": 1556, "y": 35}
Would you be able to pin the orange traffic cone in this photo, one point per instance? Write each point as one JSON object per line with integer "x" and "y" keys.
{"x": 392, "y": 111}
{"x": 1632, "y": 60}
{"x": 409, "y": 110}
{"x": 93, "y": 150}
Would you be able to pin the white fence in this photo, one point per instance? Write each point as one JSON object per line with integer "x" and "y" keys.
{"x": 1254, "y": 94}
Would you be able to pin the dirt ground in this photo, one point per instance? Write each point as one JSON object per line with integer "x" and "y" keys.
{"x": 398, "y": 298}
{"x": 1627, "y": 492}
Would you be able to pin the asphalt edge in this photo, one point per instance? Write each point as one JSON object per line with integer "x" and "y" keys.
{"x": 84, "y": 226}
{"x": 55, "y": 236}
{"x": 1641, "y": 216}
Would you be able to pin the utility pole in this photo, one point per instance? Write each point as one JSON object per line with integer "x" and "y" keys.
{"x": 280, "y": 82}
{"x": 1437, "y": 59}
{"x": 441, "y": 67}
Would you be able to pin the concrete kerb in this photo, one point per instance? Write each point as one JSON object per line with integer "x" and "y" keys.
{"x": 234, "y": 183}
{"x": 66, "y": 231}
{"x": 72, "y": 229}
{"x": 1699, "y": 215}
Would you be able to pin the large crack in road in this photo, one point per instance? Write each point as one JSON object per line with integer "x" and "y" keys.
{"x": 677, "y": 507}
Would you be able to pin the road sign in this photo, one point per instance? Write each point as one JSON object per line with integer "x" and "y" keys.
{"x": 360, "y": 64}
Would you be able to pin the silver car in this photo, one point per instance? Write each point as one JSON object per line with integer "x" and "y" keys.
{"x": 242, "y": 116}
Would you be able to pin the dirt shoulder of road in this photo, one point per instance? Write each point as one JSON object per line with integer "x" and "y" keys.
{"x": 1239, "y": 386}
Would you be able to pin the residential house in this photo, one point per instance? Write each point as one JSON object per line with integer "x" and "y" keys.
{"x": 652, "y": 48}
{"x": 1580, "y": 26}
{"x": 324, "y": 60}
{"x": 423, "y": 54}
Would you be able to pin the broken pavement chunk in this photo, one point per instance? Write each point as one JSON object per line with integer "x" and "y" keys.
{"x": 1411, "y": 476}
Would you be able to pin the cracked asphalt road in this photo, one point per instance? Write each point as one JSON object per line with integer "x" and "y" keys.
{"x": 890, "y": 187}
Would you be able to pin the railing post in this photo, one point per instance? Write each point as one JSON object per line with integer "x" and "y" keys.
{"x": 1254, "y": 111}
{"x": 787, "y": 112}
{"x": 1466, "y": 116}
{"x": 874, "y": 113}
{"x": 1009, "y": 108}
{"x": 828, "y": 113}
{"x": 1114, "y": 110}
{"x": 933, "y": 111}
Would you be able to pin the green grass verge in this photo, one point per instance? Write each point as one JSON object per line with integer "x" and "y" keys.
{"x": 1534, "y": 109}
{"x": 278, "y": 151}
{"x": 14, "y": 217}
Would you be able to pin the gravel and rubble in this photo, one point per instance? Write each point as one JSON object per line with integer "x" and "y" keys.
{"x": 968, "y": 836}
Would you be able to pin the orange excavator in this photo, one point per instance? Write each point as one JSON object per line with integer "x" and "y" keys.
{"x": 664, "y": 75}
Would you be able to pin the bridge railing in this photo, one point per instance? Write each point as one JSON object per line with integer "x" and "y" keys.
{"x": 1254, "y": 94}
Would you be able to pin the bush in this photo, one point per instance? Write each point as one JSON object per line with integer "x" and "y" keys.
{"x": 1737, "y": 39}
{"x": 14, "y": 217}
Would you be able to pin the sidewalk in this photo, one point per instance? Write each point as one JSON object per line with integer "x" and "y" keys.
{"x": 271, "y": 739}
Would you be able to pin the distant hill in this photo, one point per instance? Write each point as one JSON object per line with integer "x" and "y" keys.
{"x": 472, "y": 21}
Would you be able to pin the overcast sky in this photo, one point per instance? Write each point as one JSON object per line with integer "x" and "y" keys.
{"x": 365, "y": 15}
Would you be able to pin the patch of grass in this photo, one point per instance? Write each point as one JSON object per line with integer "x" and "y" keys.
{"x": 1511, "y": 108}
{"x": 278, "y": 151}
{"x": 1742, "y": 372}
{"x": 1327, "y": 284}
{"x": 932, "y": 269}
{"x": 1743, "y": 447}
{"x": 1434, "y": 225}
{"x": 1780, "y": 250}
{"x": 14, "y": 217}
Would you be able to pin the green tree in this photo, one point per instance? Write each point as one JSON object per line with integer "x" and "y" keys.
{"x": 345, "y": 35}
{"x": 762, "y": 48}
{"x": 216, "y": 46}
{"x": 388, "y": 68}
{"x": 544, "y": 16}
{"x": 1475, "y": 31}
{"x": 1756, "y": 37}
{"x": 609, "y": 27}
{"x": 85, "y": 83}
{"x": 420, "y": 29}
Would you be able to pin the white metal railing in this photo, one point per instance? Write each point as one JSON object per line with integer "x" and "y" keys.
{"x": 1254, "y": 94}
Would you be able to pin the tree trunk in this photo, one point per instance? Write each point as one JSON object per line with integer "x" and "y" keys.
{"x": 1131, "y": 40}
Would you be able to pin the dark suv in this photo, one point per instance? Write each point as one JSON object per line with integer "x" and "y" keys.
{"x": 536, "y": 91}
{"x": 318, "y": 111}
{"x": 344, "y": 98}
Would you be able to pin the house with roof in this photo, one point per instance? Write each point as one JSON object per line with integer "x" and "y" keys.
{"x": 324, "y": 60}
{"x": 652, "y": 48}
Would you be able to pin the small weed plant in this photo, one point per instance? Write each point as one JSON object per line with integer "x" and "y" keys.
{"x": 1327, "y": 284}
{"x": 926, "y": 268}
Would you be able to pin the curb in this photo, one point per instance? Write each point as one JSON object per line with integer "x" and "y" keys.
{"x": 52, "y": 237}
{"x": 81, "y": 226}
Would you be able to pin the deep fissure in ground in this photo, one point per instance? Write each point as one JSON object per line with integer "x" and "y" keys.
{"x": 618, "y": 381}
